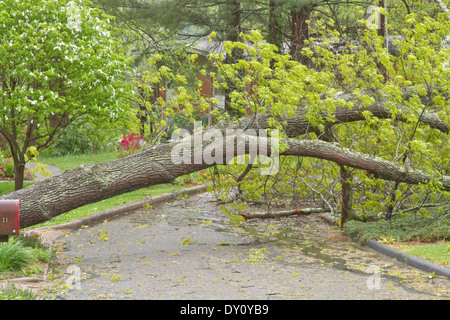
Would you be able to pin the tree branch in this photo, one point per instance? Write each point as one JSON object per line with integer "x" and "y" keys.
{"x": 91, "y": 183}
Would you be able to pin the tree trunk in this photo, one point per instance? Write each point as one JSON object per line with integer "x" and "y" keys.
{"x": 233, "y": 19}
{"x": 274, "y": 28}
{"x": 19, "y": 173}
{"x": 91, "y": 183}
{"x": 347, "y": 194}
{"x": 299, "y": 31}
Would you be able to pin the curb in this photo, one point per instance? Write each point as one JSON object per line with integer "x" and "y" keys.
{"x": 408, "y": 259}
{"x": 113, "y": 212}
{"x": 101, "y": 216}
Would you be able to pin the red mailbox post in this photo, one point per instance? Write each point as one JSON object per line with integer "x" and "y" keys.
{"x": 9, "y": 218}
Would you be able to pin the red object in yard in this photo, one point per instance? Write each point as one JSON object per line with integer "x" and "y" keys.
{"x": 9, "y": 217}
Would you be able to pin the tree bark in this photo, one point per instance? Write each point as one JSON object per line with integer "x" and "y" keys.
{"x": 298, "y": 125}
{"x": 299, "y": 31}
{"x": 233, "y": 19}
{"x": 91, "y": 183}
{"x": 347, "y": 195}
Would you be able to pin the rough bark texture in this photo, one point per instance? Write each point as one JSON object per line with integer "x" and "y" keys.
{"x": 92, "y": 183}
{"x": 284, "y": 213}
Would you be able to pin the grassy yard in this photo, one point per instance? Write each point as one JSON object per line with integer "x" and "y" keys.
{"x": 70, "y": 162}
{"x": 437, "y": 253}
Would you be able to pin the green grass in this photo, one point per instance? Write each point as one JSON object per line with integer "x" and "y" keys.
{"x": 13, "y": 256}
{"x": 437, "y": 253}
{"x": 11, "y": 292}
{"x": 430, "y": 228}
{"x": 70, "y": 162}
{"x": 428, "y": 234}
{"x": 23, "y": 256}
{"x": 8, "y": 186}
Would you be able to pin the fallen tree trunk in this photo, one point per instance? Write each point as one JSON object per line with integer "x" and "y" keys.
{"x": 91, "y": 183}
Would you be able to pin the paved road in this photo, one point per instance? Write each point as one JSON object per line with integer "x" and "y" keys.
{"x": 187, "y": 249}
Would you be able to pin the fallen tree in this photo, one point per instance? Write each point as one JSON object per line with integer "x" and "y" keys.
{"x": 91, "y": 183}
{"x": 317, "y": 116}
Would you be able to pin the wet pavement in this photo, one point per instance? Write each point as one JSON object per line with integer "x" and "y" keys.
{"x": 189, "y": 249}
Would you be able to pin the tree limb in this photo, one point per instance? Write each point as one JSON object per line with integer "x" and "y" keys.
{"x": 91, "y": 183}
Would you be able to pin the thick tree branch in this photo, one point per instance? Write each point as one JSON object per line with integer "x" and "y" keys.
{"x": 87, "y": 184}
{"x": 298, "y": 125}
{"x": 284, "y": 213}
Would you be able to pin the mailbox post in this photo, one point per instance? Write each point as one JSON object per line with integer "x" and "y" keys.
{"x": 9, "y": 218}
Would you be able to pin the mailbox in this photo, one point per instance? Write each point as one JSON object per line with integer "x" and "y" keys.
{"x": 9, "y": 218}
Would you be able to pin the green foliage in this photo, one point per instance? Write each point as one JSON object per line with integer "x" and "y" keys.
{"x": 13, "y": 256}
{"x": 411, "y": 83}
{"x": 60, "y": 62}
{"x": 23, "y": 256}
{"x": 11, "y": 292}
{"x": 76, "y": 139}
{"x": 402, "y": 228}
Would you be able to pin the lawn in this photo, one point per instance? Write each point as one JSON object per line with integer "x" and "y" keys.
{"x": 437, "y": 253}
{"x": 425, "y": 237}
{"x": 70, "y": 162}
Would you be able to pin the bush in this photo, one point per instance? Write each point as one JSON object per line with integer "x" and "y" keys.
{"x": 130, "y": 144}
{"x": 6, "y": 168}
{"x": 13, "y": 255}
{"x": 402, "y": 228}
{"x": 75, "y": 139}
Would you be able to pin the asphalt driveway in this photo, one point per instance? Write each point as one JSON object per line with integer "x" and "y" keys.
{"x": 188, "y": 249}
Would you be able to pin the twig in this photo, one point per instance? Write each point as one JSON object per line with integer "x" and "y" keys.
{"x": 320, "y": 194}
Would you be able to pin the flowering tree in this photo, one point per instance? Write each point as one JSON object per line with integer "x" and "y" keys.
{"x": 59, "y": 61}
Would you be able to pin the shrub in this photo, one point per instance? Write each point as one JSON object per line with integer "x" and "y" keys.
{"x": 6, "y": 168}
{"x": 13, "y": 255}
{"x": 402, "y": 228}
{"x": 75, "y": 139}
